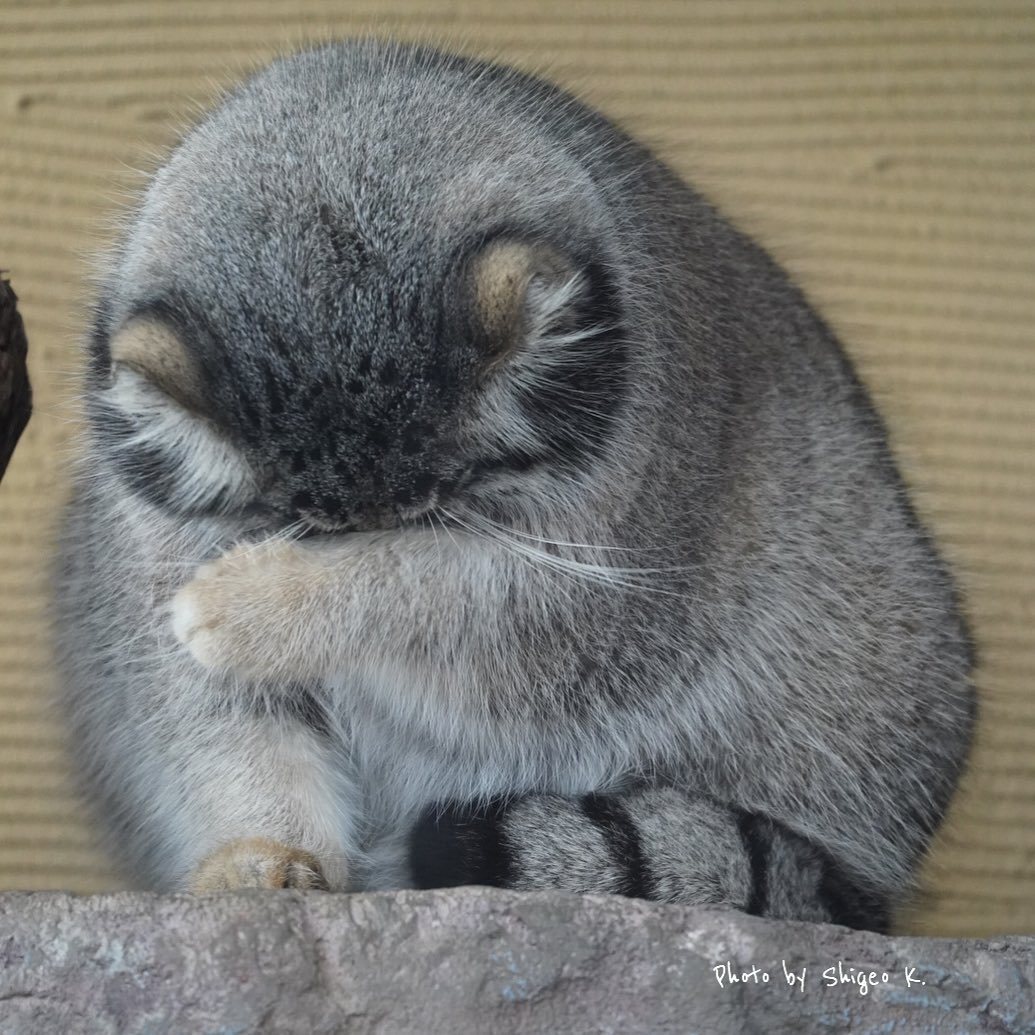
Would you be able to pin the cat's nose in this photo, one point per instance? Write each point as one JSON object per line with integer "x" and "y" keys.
{"x": 324, "y": 517}
{"x": 324, "y": 511}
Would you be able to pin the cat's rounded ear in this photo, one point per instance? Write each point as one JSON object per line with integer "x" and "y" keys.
{"x": 508, "y": 280}
{"x": 156, "y": 425}
{"x": 152, "y": 350}
{"x": 519, "y": 290}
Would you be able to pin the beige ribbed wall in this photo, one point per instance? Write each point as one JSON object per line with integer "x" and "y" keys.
{"x": 884, "y": 151}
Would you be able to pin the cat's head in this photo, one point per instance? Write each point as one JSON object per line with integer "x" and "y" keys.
{"x": 345, "y": 313}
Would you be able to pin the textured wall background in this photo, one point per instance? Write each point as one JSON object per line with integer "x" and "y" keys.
{"x": 885, "y": 151}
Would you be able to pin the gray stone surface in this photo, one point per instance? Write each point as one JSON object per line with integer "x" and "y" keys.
{"x": 476, "y": 960}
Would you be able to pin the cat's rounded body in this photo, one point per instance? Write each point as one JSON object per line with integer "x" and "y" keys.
{"x": 608, "y": 580}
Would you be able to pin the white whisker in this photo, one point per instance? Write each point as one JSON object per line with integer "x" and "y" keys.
{"x": 609, "y": 575}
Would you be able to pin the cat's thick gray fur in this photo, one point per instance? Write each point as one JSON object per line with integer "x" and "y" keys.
{"x": 678, "y": 608}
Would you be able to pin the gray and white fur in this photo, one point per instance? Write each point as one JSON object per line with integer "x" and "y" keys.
{"x": 464, "y": 500}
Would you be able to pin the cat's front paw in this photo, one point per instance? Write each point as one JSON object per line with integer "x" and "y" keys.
{"x": 240, "y": 613}
{"x": 257, "y": 862}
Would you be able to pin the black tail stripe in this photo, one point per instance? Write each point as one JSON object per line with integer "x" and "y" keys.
{"x": 850, "y": 905}
{"x": 623, "y": 843}
{"x": 757, "y": 834}
{"x": 462, "y": 844}
{"x": 497, "y": 863}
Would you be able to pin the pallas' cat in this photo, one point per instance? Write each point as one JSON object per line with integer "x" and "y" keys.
{"x": 464, "y": 500}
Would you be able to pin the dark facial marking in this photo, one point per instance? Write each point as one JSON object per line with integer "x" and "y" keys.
{"x": 577, "y": 409}
{"x": 389, "y": 372}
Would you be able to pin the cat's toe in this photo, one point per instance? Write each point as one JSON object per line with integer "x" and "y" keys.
{"x": 258, "y": 862}
{"x": 196, "y": 626}
{"x": 213, "y": 615}
{"x": 241, "y": 612}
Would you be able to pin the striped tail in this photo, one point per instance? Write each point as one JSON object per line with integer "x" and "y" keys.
{"x": 655, "y": 843}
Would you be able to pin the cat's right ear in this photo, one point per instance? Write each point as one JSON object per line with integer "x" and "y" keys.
{"x": 162, "y": 438}
{"x": 151, "y": 350}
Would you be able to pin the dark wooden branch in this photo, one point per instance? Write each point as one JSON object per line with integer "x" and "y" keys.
{"x": 15, "y": 393}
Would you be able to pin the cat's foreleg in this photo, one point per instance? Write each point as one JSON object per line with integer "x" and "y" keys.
{"x": 234, "y": 798}
{"x": 356, "y": 604}
{"x": 655, "y": 843}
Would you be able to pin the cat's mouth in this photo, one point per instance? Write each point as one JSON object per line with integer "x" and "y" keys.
{"x": 424, "y": 518}
{"x": 268, "y": 518}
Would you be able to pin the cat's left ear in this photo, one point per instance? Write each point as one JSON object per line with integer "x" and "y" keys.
{"x": 159, "y": 429}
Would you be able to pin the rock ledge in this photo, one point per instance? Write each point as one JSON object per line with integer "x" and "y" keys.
{"x": 477, "y": 960}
